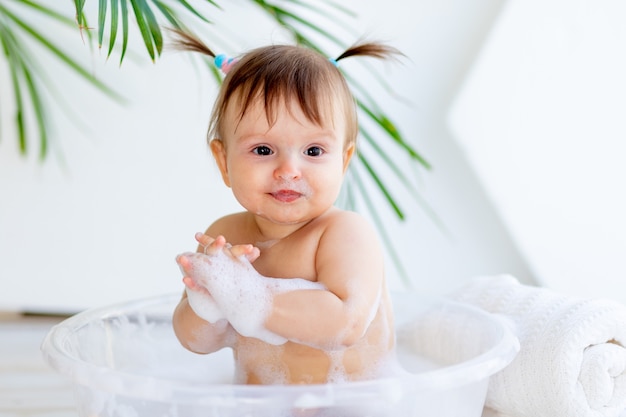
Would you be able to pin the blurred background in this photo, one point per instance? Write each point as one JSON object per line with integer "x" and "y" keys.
{"x": 517, "y": 105}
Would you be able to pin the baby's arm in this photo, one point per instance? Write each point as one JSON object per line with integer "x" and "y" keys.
{"x": 349, "y": 263}
{"x": 197, "y": 334}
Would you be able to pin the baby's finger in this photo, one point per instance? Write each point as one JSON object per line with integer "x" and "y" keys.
{"x": 191, "y": 284}
{"x": 255, "y": 253}
{"x": 215, "y": 246}
{"x": 203, "y": 240}
{"x": 239, "y": 250}
{"x": 183, "y": 262}
{"x": 251, "y": 252}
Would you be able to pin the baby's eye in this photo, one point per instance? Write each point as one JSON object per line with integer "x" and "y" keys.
{"x": 314, "y": 151}
{"x": 262, "y": 150}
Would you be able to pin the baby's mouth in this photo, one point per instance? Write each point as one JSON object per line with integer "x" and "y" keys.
{"x": 286, "y": 196}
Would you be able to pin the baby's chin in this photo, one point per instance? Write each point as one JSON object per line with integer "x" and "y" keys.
{"x": 284, "y": 221}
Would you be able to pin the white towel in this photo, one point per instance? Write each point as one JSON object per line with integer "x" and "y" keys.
{"x": 572, "y": 360}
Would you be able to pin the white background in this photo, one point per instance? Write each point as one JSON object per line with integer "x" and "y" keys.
{"x": 103, "y": 221}
{"x": 541, "y": 120}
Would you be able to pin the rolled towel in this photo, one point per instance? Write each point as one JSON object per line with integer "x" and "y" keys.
{"x": 572, "y": 360}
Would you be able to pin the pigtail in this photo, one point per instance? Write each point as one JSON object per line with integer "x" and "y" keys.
{"x": 185, "y": 41}
{"x": 371, "y": 49}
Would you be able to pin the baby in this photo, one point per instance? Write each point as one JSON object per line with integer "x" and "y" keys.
{"x": 293, "y": 285}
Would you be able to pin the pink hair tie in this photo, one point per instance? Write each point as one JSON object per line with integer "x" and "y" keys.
{"x": 224, "y": 63}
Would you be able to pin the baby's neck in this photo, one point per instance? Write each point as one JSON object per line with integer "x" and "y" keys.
{"x": 270, "y": 232}
{"x": 266, "y": 244}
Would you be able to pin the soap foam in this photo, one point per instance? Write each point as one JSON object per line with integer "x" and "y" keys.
{"x": 204, "y": 306}
{"x": 240, "y": 294}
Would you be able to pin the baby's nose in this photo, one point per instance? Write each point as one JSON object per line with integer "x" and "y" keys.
{"x": 288, "y": 168}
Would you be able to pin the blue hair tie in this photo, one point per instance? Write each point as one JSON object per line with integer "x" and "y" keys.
{"x": 224, "y": 63}
{"x": 334, "y": 62}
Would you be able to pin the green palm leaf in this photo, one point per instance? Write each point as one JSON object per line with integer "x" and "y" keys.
{"x": 113, "y": 27}
{"x": 27, "y": 74}
{"x": 381, "y": 186}
{"x": 380, "y": 225}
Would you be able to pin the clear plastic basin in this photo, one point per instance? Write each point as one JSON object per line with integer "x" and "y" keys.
{"x": 125, "y": 361}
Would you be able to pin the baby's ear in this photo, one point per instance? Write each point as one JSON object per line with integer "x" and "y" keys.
{"x": 347, "y": 156}
{"x": 219, "y": 153}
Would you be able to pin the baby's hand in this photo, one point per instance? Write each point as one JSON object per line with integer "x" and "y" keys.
{"x": 241, "y": 295}
{"x": 238, "y": 292}
{"x": 198, "y": 296}
{"x": 212, "y": 246}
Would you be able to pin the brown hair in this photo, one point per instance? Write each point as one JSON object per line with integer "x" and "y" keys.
{"x": 280, "y": 73}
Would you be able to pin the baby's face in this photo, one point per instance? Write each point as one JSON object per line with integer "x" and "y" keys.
{"x": 289, "y": 172}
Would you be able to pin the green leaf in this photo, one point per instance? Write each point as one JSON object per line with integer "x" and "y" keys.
{"x": 192, "y": 10}
{"x": 39, "y": 110}
{"x": 400, "y": 175}
{"x": 381, "y": 186}
{"x": 124, "y": 9}
{"x": 102, "y": 13}
{"x": 385, "y": 157}
{"x": 280, "y": 14}
{"x": 19, "y": 112}
{"x": 168, "y": 14}
{"x": 114, "y": 25}
{"x": 381, "y": 227}
{"x": 339, "y": 7}
{"x": 48, "y": 12}
{"x": 210, "y": 1}
{"x": 27, "y": 91}
{"x": 81, "y": 20}
{"x": 313, "y": 6}
{"x": 143, "y": 27}
{"x": 389, "y": 127}
{"x": 153, "y": 25}
{"x": 79, "y": 5}
{"x": 79, "y": 69}
{"x": 7, "y": 38}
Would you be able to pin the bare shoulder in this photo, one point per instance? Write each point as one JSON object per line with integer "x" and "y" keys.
{"x": 349, "y": 252}
{"x": 343, "y": 224}
{"x": 231, "y": 226}
{"x": 347, "y": 232}
{"x": 223, "y": 224}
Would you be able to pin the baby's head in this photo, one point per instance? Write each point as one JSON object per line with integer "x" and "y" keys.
{"x": 280, "y": 75}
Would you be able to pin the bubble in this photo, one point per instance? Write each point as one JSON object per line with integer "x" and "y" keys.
{"x": 238, "y": 293}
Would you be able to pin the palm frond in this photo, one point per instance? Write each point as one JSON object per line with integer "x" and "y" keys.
{"x": 381, "y": 186}
{"x": 289, "y": 21}
{"x": 59, "y": 53}
{"x": 27, "y": 75}
{"x": 373, "y": 210}
{"x": 21, "y": 74}
{"x": 102, "y": 12}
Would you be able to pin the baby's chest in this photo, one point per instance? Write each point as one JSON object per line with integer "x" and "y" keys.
{"x": 288, "y": 261}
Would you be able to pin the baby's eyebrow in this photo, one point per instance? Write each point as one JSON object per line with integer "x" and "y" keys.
{"x": 251, "y": 138}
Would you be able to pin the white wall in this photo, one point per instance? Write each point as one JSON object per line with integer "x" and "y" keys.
{"x": 104, "y": 223}
{"x": 541, "y": 118}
